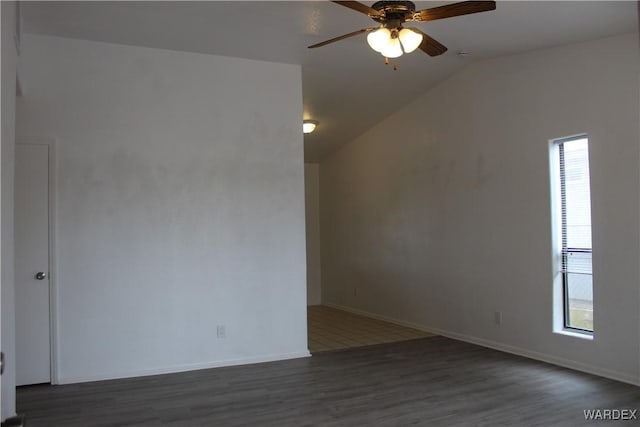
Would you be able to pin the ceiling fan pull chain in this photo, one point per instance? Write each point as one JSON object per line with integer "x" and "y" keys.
{"x": 395, "y": 67}
{"x": 386, "y": 61}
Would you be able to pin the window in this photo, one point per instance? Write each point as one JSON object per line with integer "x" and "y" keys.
{"x": 572, "y": 214}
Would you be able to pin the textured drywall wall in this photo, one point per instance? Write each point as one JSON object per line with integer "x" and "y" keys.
{"x": 9, "y": 67}
{"x": 312, "y": 201}
{"x": 440, "y": 215}
{"x": 180, "y": 205}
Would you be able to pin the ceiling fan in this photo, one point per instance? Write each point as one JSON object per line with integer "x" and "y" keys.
{"x": 391, "y": 39}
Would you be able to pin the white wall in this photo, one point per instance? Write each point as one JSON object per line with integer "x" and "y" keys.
{"x": 440, "y": 215}
{"x": 312, "y": 204}
{"x": 180, "y": 205}
{"x": 9, "y": 66}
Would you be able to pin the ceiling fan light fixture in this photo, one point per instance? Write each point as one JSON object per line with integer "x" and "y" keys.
{"x": 390, "y": 39}
{"x": 410, "y": 40}
{"x": 378, "y": 39}
{"x": 392, "y": 49}
{"x": 309, "y": 126}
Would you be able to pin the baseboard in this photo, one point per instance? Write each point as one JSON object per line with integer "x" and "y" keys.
{"x": 182, "y": 368}
{"x": 544, "y": 357}
{"x": 519, "y": 351}
{"x": 15, "y": 421}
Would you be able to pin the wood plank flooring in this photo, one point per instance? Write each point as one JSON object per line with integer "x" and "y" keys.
{"x": 426, "y": 382}
{"x": 333, "y": 329}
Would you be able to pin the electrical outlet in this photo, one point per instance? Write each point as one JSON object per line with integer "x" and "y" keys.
{"x": 221, "y": 331}
{"x": 497, "y": 317}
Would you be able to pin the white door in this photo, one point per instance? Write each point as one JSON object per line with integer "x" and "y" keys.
{"x": 33, "y": 355}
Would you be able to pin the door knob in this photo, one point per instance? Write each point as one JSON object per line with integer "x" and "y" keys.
{"x": 41, "y": 275}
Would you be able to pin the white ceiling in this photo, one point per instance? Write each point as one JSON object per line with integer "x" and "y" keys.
{"x": 346, "y": 85}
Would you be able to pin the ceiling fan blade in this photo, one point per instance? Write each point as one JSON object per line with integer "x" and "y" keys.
{"x": 337, "y": 39}
{"x": 429, "y": 45}
{"x": 359, "y": 7}
{"x": 451, "y": 10}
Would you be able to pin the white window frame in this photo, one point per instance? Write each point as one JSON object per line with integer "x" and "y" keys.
{"x": 559, "y": 305}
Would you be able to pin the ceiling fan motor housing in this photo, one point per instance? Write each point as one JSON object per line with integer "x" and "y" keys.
{"x": 393, "y": 10}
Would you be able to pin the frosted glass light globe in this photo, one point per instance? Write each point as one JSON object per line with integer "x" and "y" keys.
{"x": 378, "y": 39}
{"x": 392, "y": 49}
{"x": 410, "y": 40}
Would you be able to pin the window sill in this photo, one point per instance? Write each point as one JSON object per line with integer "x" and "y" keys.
{"x": 574, "y": 334}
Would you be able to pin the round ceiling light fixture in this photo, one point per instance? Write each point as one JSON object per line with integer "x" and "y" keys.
{"x": 309, "y": 126}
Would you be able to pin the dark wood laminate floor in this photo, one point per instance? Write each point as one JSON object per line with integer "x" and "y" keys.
{"x": 428, "y": 382}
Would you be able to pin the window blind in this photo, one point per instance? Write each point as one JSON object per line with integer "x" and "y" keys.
{"x": 576, "y": 205}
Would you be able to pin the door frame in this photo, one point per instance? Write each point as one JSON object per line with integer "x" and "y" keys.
{"x": 53, "y": 282}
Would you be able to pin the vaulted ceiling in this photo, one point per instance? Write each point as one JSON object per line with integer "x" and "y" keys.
{"x": 346, "y": 85}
